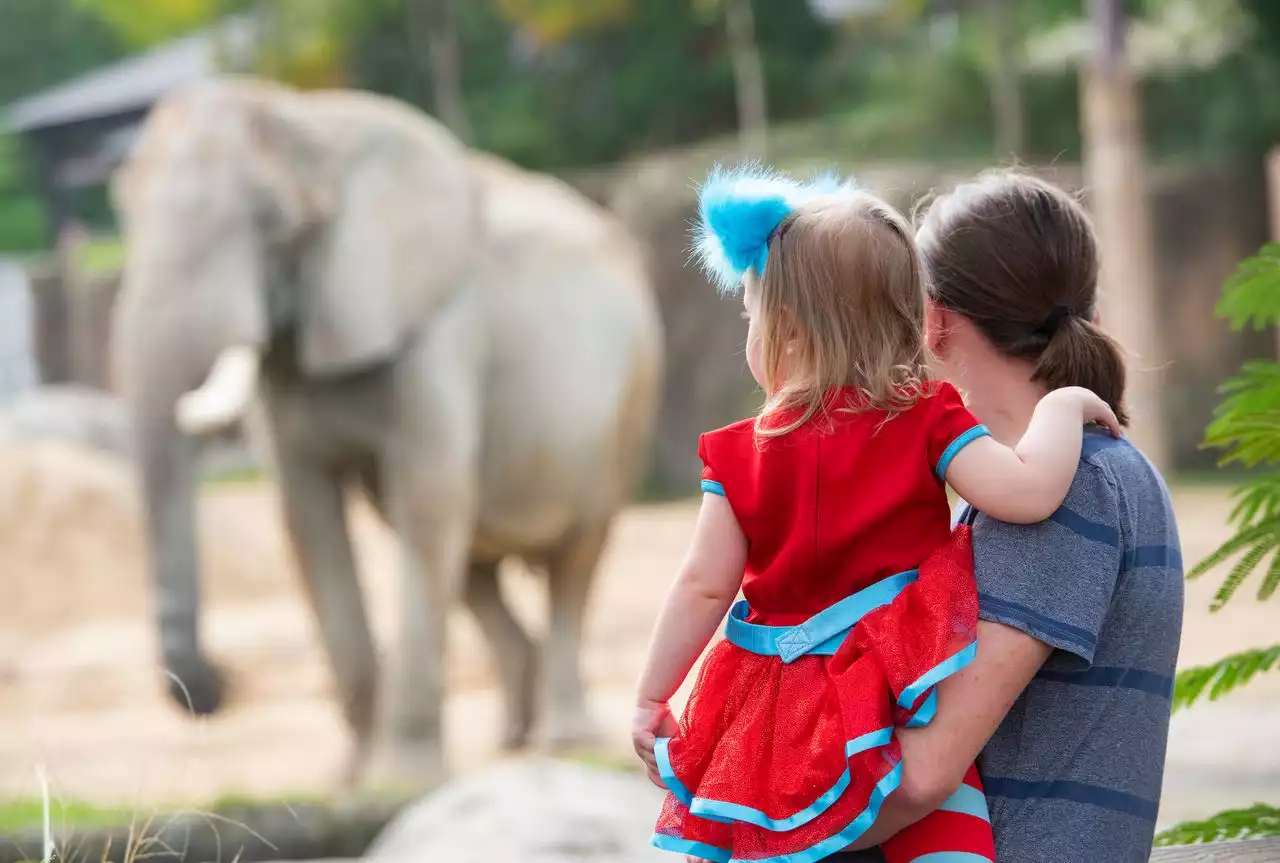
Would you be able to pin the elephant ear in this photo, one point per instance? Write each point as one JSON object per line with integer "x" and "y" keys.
{"x": 400, "y": 228}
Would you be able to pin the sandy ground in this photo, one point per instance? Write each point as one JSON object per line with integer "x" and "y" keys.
{"x": 79, "y": 693}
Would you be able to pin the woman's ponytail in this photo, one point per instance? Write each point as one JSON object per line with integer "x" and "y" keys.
{"x": 1080, "y": 354}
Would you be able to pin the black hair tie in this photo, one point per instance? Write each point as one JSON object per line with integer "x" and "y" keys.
{"x": 1051, "y": 324}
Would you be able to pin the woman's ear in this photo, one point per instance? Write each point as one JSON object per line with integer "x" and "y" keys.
{"x": 937, "y": 326}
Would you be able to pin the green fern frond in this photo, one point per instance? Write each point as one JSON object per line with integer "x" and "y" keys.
{"x": 1256, "y": 498}
{"x": 1223, "y": 676}
{"x": 1255, "y": 822}
{"x": 1265, "y": 531}
{"x": 1271, "y": 581}
{"x": 1250, "y": 296}
{"x": 1242, "y": 570}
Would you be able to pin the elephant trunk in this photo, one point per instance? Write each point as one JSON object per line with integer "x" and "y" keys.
{"x": 155, "y": 372}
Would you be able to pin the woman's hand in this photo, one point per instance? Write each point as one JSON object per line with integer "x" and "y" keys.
{"x": 653, "y": 719}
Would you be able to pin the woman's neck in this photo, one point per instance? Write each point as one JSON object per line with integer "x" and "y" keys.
{"x": 1002, "y": 396}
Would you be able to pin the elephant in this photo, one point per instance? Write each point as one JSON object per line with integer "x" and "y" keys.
{"x": 473, "y": 346}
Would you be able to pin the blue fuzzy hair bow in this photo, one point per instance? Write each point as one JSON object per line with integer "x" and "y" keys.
{"x": 738, "y": 211}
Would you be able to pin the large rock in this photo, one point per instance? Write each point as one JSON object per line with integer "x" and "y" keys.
{"x": 70, "y": 413}
{"x": 529, "y": 811}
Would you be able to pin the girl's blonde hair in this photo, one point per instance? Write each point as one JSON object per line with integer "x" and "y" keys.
{"x": 844, "y": 286}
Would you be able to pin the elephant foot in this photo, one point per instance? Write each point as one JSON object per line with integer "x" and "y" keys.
{"x": 567, "y": 731}
{"x": 195, "y": 684}
{"x": 404, "y": 768}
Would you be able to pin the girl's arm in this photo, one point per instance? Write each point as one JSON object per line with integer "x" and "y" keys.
{"x": 1028, "y": 483}
{"x": 706, "y": 586}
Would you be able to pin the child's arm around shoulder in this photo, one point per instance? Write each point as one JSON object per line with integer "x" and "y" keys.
{"x": 1027, "y": 483}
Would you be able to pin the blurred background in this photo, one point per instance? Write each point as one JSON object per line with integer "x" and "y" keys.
{"x": 1165, "y": 131}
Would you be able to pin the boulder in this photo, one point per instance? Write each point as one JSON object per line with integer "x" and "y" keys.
{"x": 70, "y": 413}
{"x": 529, "y": 811}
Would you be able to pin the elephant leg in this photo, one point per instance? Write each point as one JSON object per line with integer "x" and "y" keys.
{"x": 512, "y": 649}
{"x": 435, "y": 529}
{"x": 570, "y": 573}
{"x": 316, "y": 519}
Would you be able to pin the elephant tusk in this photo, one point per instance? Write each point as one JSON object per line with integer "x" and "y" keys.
{"x": 224, "y": 397}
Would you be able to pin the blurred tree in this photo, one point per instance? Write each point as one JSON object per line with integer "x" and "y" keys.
{"x": 552, "y": 83}
{"x": 433, "y": 29}
{"x": 748, "y": 72}
{"x": 145, "y": 22}
{"x": 303, "y": 42}
{"x": 42, "y": 44}
{"x": 552, "y": 22}
{"x": 1115, "y": 166}
{"x": 1006, "y": 85}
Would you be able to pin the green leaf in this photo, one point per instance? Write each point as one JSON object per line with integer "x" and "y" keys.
{"x": 1255, "y": 822}
{"x": 1223, "y": 676}
{"x": 1251, "y": 297}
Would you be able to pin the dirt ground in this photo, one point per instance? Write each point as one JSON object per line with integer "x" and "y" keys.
{"x": 80, "y": 695}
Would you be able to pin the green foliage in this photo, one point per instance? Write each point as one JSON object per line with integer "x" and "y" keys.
{"x": 1246, "y": 425}
{"x": 1252, "y": 295}
{"x": 1256, "y": 822}
{"x": 145, "y": 22}
{"x": 1223, "y": 676}
{"x": 600, "y": 88}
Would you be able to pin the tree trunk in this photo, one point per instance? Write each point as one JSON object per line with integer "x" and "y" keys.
{"x": 1273, "y": 200}
{"x": 433, "y": 29}
{"x": 748, "y": 77}
{"x": 1006, "y": 94}
{"x": 1115, "y": 174}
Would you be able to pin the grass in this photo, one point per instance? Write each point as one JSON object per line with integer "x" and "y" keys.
{"x": 21, "y": 814}
{"x": 101, "y": 255}
{"x": 27, "y": 813}
{"x": 234, "y": 476}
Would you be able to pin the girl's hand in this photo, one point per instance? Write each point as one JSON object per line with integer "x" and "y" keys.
{"x": 1092, "y": 408}
{"x": 653, "y": 719}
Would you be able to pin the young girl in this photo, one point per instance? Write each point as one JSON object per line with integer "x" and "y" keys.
{"x": 829, "y": 512}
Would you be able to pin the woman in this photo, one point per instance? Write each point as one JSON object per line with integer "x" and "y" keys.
{"x": 1067, "y": 703}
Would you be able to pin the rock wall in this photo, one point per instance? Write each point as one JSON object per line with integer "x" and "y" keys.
{"x": 1207, "y": 219}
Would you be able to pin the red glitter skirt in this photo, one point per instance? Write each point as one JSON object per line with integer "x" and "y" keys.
{"x": 787, "y": 745}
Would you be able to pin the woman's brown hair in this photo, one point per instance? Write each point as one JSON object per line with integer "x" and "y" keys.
{"x": 844, "y": 288}
{"x": 1018, "y": 257}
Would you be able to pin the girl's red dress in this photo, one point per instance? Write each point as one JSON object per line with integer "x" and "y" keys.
{"x": 789, "y": 757}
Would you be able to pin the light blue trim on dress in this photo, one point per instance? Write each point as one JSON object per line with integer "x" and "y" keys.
{"x": 939, "y": 672}
{"x": 677, "y": 845}
{"x": 952, "y": 857}
{"x": 953, "y": 449}
{"x": 820, "y": 635}
{"x": 927, "y": 711}
{"x": 719, "y": 810}
{"x": 846, "y": 837}
{"x": 710, "y": 486}
{"x": 968, "y": 801}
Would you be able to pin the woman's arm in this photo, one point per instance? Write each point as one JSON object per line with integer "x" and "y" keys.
{"x": 1027, "y": 483}
{"x": 971, "y": 705}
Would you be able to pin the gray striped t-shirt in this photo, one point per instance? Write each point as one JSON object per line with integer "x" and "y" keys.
{"x": 1074, "y": 771}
